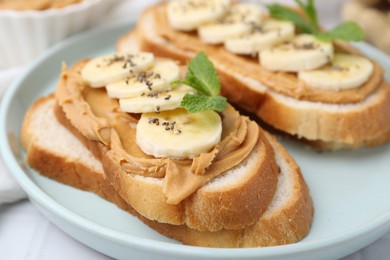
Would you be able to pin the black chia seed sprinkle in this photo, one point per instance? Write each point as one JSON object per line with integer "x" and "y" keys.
{"x": 141, "y": 77}
{"x": 149, "y": 84}
{"x": 305, "y": 46}
{"x": 168, "y": 126}
{"x": 154, "y": 120}
{"x": 154, "y": 94}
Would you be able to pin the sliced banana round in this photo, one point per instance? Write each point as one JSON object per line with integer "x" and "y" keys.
{"x": 178, "y": 134}
{"x": 240, "y": 20}
{"x": 157, "y": 78}
{"x": 100, "y": 71}
{"x": 345, "y": 72}
{"x": 303, "y": 52}
{"x": 187, "y": 15}
{"x": 270, "y": 33}
{"x": 155, "y": 101}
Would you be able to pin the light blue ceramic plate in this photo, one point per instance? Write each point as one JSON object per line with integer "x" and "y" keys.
{"x": 350, "y": 189}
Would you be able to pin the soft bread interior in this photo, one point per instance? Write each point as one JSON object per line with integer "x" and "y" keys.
{"x": 231, "y": 177}
{"x": 45, "y": 131}
{"x": 284, "y": 189}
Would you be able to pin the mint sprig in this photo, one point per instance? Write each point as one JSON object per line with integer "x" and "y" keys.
{"x": 346, "y": 31}
{"x": 198, "y": 103}
{"x": 283, "y": 13}
{"x": 202, "y": 76}
{"x": 310, "y": 11}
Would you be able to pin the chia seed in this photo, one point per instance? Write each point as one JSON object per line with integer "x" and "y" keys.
{"x": 154, "y": 120}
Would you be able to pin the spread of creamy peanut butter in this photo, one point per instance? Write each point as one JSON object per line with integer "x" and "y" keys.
{"x": 99, "y": 118}
{"x": 22, "y": 5}
{"x": 283, "y": 82}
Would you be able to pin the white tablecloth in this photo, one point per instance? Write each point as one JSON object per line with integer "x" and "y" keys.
{"x": 26, "y": 234}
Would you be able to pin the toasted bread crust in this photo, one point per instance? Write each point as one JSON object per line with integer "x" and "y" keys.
{"x": 327, "y": 127}
{"x": 289, "y": 225}
{"x": 286, "y": 225}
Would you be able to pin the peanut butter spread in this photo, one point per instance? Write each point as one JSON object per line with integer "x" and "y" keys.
{"x": 283, "y": 82}
{"x": 23, "y": 5}
{"x": 99, "y": 118}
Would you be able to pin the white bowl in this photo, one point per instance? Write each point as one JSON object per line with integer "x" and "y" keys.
{"x": 26, "y": 34}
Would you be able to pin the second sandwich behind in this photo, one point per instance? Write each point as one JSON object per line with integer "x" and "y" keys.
{"x": 326, "y": 92}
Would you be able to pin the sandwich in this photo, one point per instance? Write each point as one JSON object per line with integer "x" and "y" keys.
{"x": 280, "y": 66}
{"x": 169, "y": 150}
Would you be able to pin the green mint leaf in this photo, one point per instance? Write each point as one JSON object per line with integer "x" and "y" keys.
{"x": 346, "y": 31}
{"x": 197, "y": 103}
{"x": 202, "y": 75}
{"x": 284, "y": 13}
{"x": 186, "y": 81}
{"x": 177, "y": 82}
{"x": 310, "y": 11}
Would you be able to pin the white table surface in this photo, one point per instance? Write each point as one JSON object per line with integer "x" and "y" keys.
{"x": 26, "y": 234}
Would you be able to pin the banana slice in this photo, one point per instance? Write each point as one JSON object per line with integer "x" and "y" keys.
{"x": 178, "y": 134}
{"x": 271, "y": 33}
{"x": 155, "y": 79}
{"x": 155, "y": 101}
{"x": 240, "y": 20}
{"x": 103, "y": 70}
{"x": 304, "y": 52}
{"x": 187, "y": 15}
{"x": 345, "y": 72}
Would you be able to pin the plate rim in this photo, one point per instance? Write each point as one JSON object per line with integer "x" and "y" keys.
{"x": 38, "y": 195}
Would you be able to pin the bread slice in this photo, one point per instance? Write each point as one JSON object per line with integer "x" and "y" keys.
{"x": 235, "y": 204}
{"x": 363, "y": 121}
{"x": 67, "y": 160}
